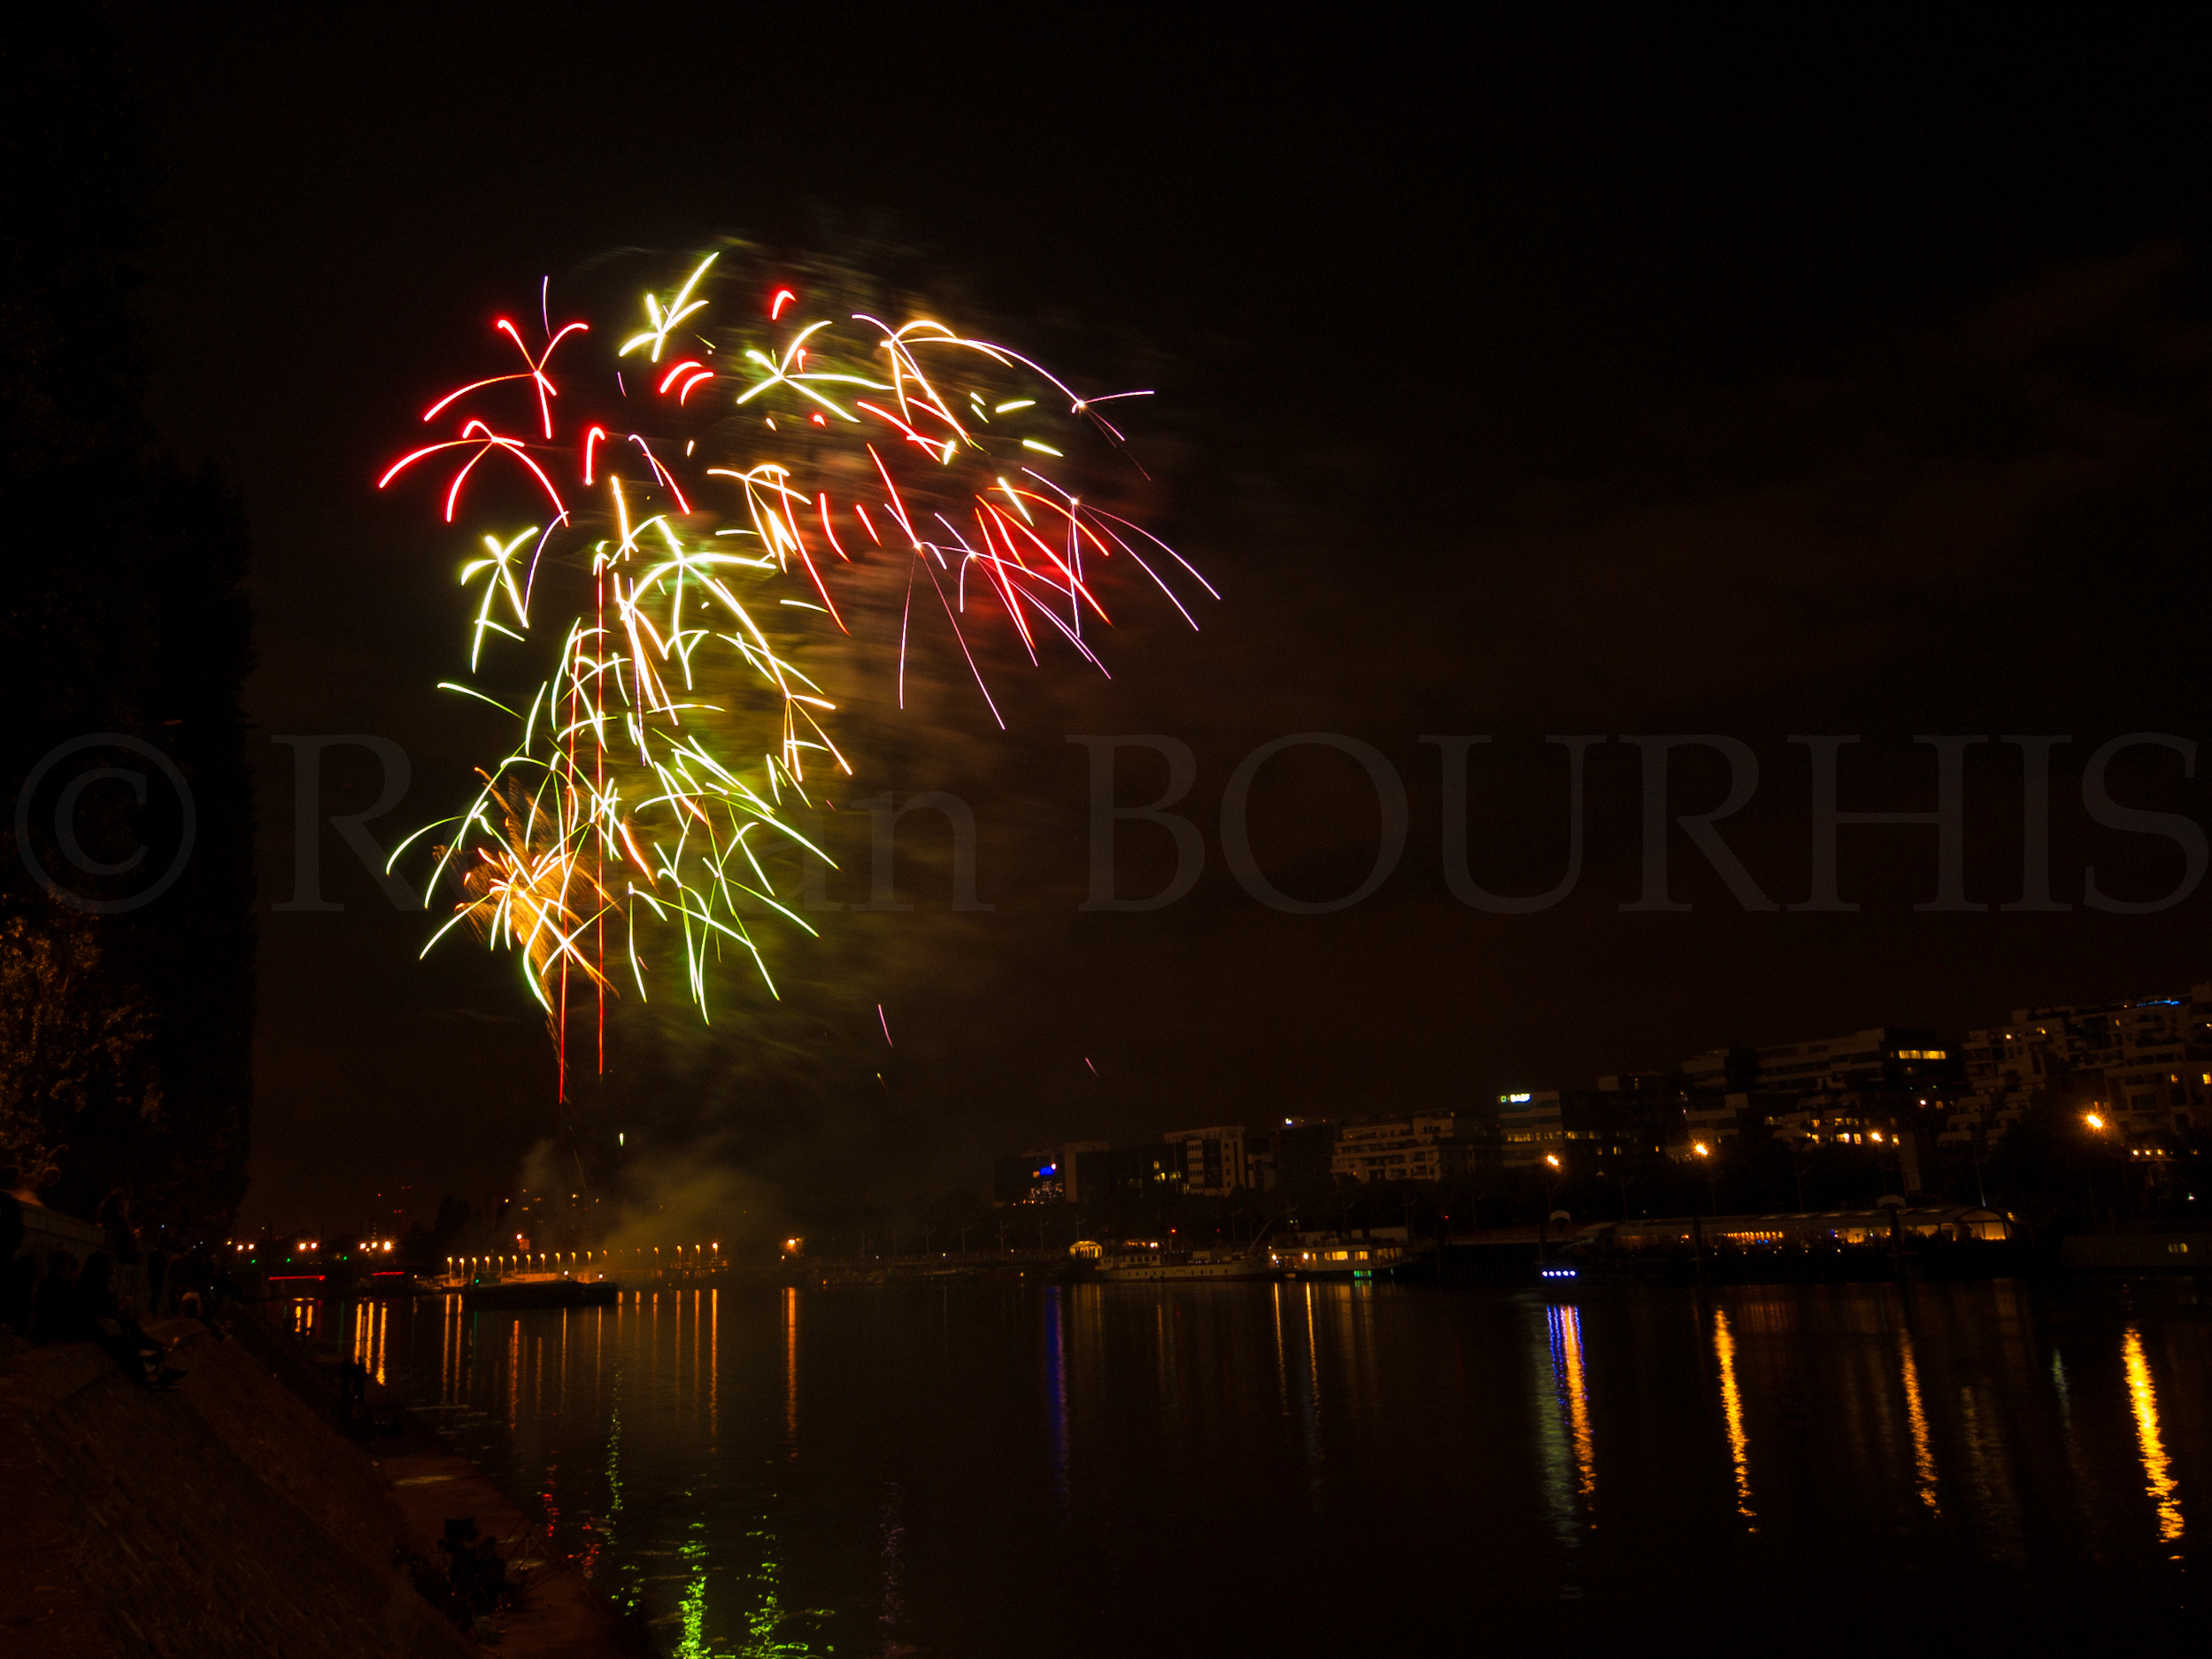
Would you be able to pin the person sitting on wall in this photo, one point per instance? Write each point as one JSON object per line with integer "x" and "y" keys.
{"x": 461, "y": 1569}
{"x": 114, "y": 1217}
{"x": 113, "y": 1327}
{"x": 55, "y": 1316}
{"x": 491, "y": 1575}
{"x": 353, "y": 1378}
{"x": 191, "y": 1281}
{"x": 431, "y": 1587}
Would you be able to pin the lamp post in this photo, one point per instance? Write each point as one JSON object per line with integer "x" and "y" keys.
{"x": 1712, "y": 1175}
{"x": 1544, "y": 1227}
{"x": 2095, "y": 1123}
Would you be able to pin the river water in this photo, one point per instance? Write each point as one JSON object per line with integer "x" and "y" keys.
{"x": 1372, "y": 1469}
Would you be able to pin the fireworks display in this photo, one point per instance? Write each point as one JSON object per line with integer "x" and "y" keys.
{"x": 706, "y": 495}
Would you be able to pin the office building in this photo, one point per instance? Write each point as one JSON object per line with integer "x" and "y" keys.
{"x": 2143, "y": 1066}
{"x": 1120, "y": 1174}
{"x": 1071, "y": 1165}
{"x": 1428, "y": 1146}
{"x": 1579, "y": 1127}
{"x": 1903, "y": 1060}
{"x": 1030, "y": 1177}
{"x": 1213, "y": 1160}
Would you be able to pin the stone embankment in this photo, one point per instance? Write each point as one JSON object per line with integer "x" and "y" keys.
{"x": 229, "y": 1516}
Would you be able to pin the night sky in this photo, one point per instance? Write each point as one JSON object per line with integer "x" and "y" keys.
{"x": 1582, "y": 385}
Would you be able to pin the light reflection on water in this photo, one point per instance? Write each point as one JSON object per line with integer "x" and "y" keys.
{"x": 1570, "y": 1474}
{"x": 1916, "y": 1413}
{"x": 1732, "y": 1406}
{"x": 2143, "y": 1397}
{"x": 1087, "y": 1469}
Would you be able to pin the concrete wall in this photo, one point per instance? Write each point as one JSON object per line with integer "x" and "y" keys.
{"x": 222, "y": 1517}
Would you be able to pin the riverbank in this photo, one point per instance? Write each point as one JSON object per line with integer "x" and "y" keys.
{"x": 229, "y": 1515}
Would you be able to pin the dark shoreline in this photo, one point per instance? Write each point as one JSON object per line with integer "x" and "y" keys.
{"x": 231, "y": 1514}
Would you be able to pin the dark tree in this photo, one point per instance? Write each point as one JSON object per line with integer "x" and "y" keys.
{"x": 123, "y": 611}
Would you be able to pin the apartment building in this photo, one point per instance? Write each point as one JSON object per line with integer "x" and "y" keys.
{"x": 2144, "y": 1065}
{"x": 1433, "y": 1147}
{"x": 1214, "y": 1162}
{"x": 1581, "y": 1125}
{"x": 1903, "y": 1060}
{"x": 1709, "y": 1119}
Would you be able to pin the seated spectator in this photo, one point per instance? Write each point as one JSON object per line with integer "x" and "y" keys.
{"x": 431, "y": 1587}
{"x": 353, "y": 1378}
{"x": 114, "y": 1328}
{"x": 114, "y": 1216}
{"x": 55, "y": 1314}
{"x": 492, "y": 1572}
{"x": 192, "y": 1280}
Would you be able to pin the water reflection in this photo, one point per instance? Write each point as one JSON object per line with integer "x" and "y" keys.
{"x": 1917, "y": 1415}
{"x": 1919, "y": 1432}
{"x": 790, "y": 1367}
{"x": 1309, "y": 1398}
{"x": 1282, "y": 1366}
{"x": 1573, "y": 1389}
{"x": 1990, "y": 1469}
{"x": 1556, "y": 1431}
{"x": 1732, "y": 1409}
{"x": 2164, "y": 1492}
{"x": 1056, "y": 1391}
{"x": 692, "y": 1608}
{"x": 892, "y": 1619}
{"x": 451, "y": 1355}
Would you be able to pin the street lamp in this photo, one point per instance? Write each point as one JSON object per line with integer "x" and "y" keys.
{"x": 1712, "y": 1175}
{"x": 2096, "y": 1124}
{"x": 1543, "y": 1230}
